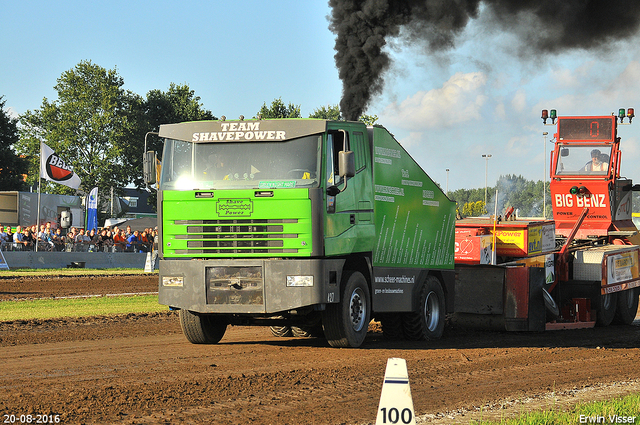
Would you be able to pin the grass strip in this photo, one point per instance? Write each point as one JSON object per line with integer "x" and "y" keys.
{"x": 617, "y": 410}
{"x": 78, "y": 307}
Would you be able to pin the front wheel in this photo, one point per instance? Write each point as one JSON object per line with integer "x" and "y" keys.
{"x": 202, "y": 328}
{"x": 427, "y": 322}
{"x": 346, "y": 323}
{"x": 627, "y": 307}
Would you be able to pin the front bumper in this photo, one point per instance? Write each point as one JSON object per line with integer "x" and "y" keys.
{"x": 249, "y": 286}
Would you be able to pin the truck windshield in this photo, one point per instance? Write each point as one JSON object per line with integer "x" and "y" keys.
{"x": 582, "y": 160}
{"x": 243, "y": 165}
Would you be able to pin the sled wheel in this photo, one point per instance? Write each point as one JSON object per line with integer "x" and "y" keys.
{"x": 607, "y": 309}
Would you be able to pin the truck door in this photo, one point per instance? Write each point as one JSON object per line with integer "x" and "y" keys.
{"x": 352, "y": 208}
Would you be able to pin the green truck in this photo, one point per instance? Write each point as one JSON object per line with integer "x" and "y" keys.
{"x": 309, "y": 225}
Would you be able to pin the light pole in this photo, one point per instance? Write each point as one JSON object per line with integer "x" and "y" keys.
{"x": 486, "y": 169}
{"x": 447, "y": 182}
{"x": 544, "y": 184}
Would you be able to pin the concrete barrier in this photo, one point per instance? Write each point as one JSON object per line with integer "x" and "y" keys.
{"x": 57, "y": 260}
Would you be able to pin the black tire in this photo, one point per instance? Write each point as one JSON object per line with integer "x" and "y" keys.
{"x": 627, "y": 307}
{"x": 310, "y": 328}
{"x": 550, "y": 304}
{"x": 281, "y": 331}
{"x": 202, "y": 328}
{"x": 392, "y": 328}
{"x": 346, "y": 323}
{"x": 301, "y": 331}
{"x": 606, "y": 309}
{"x": 428, "y": 321}
{"x": 307, "y": 331}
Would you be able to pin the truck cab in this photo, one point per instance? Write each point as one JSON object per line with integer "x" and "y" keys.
{"x": 585, "y": 173}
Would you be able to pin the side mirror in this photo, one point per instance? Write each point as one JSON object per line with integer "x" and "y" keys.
{"x": 346, "y": 164}
{"x": 564, "y": 152}
{"x": 346, "y": 168}
{"x": 149, "y": 167}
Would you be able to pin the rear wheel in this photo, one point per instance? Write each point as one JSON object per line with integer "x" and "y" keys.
{"x": 428, "y": 321}
{"x": 392, "y": 326}
{"x": 346, "y": 323}
{"x": 607, "y": 309}
{"x": 627, "y": 307}
{"x": 202, "y": 328}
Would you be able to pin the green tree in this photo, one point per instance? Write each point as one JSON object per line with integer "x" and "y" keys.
{"x": 513, "y": 191}
{"x": 368, "y": 119}
{"x": 14, "y": 168}
{"x": 279, "y": 110}
{"x": 178, "y": 104}
{"x": 474, "y": 209}
{"x": 332, "y": 112}
{"x": 464, "y": 196}
{"x": 91, "y": 125}
{"x": 521, "y": 194}
{"x": 329, "y": 112}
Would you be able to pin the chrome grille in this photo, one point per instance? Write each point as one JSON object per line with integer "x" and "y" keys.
{"x": 235, "y": 236}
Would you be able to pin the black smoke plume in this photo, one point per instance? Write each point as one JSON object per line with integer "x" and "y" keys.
{"x": 362, "y": 28}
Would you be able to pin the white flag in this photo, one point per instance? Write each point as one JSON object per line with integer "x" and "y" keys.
{"x": 53, "y": 168}
{"x": 93, "y": 198}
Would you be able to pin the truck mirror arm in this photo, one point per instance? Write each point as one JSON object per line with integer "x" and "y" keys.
{"x": 333, "y": 190}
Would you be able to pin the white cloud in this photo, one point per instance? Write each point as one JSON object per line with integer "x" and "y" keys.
{"x": 500, "y": 111}
{"x": 519, "y": 101}
{"x": 459, "y": 99}
{"x": 12, "y": 112}
{"x": 565, "y": 78}
{"x": 413, "y": 139}
{"x": 602, "y": 97}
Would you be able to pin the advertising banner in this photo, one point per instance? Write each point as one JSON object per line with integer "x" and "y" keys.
{"x": 92, "y": 210}
{"x": 414, "y": 219}
{"x": 54, "y": 169}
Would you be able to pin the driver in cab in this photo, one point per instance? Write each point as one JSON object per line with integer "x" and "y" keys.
{"x": 216, "y": 169}
{"x": 596, "y": 164}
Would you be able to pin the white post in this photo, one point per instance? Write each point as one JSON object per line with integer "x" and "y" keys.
{"x": 39, "y": 191}
{"x": 486, "y": 171}
{"x": 447, "y": 182}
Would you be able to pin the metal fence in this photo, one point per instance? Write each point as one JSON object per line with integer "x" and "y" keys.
{"x": 74, "y": 247}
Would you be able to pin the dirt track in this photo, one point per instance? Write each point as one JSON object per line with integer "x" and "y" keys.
{"x": 140, "y": 369}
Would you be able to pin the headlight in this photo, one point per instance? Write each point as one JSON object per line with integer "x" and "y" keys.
{"x": 172, "y": 280}
{"x": 299, "y": 280}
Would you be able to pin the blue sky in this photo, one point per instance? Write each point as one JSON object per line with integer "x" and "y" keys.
{"x": 479, "y": 98}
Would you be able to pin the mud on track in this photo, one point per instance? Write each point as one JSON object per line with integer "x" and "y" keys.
{"x": 140, "y": 369}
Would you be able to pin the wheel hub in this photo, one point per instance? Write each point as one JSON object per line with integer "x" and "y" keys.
{"x": 357, "y": 310}
{"x": 431, "y": 311}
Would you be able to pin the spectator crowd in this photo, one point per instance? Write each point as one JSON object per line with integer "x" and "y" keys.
{"x": 106, "y": 239}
